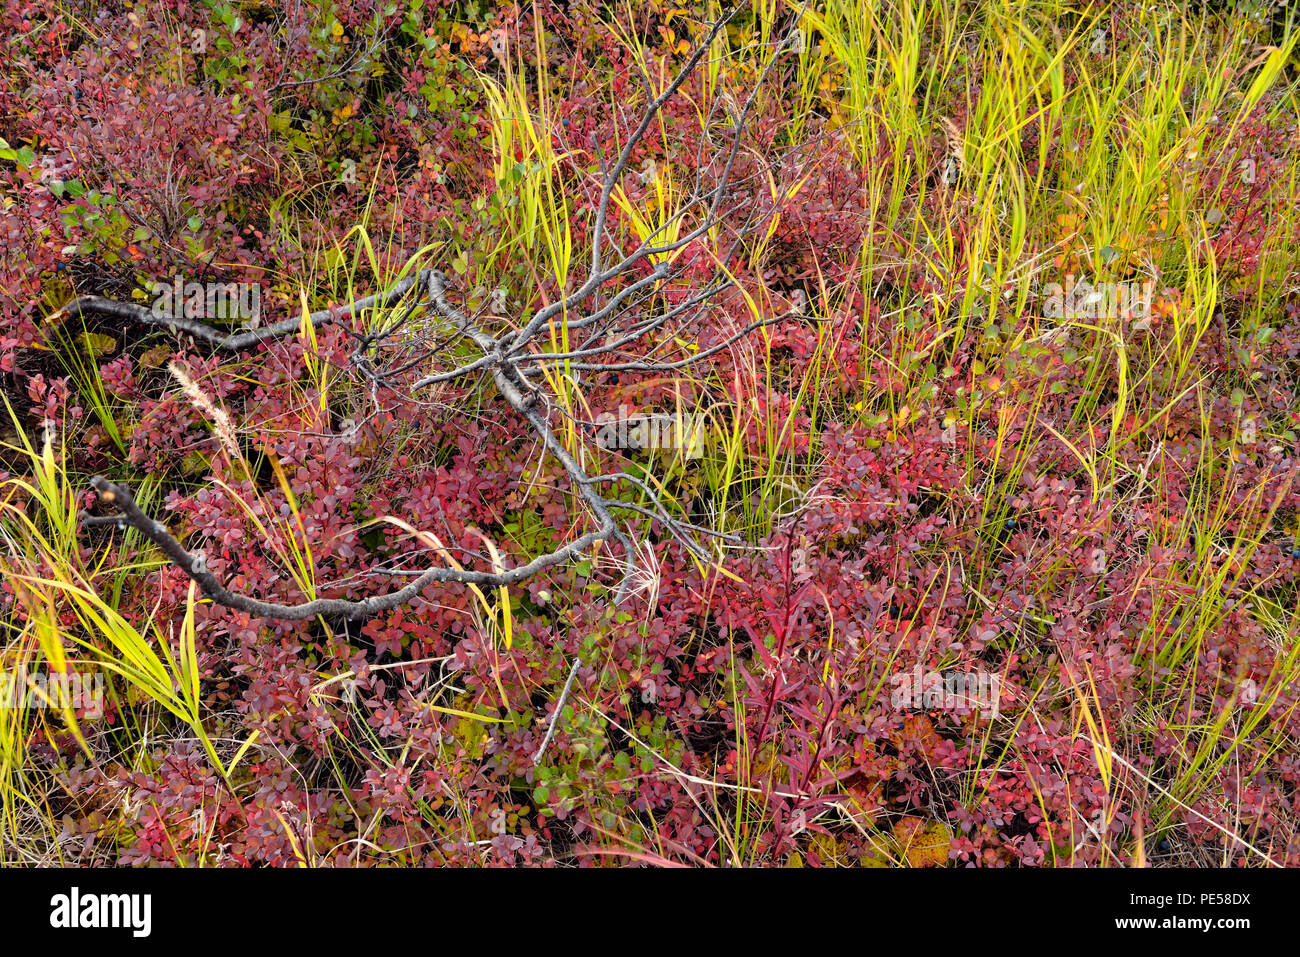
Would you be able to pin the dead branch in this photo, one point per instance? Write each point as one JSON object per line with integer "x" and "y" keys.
{"x": 507, "y": 356}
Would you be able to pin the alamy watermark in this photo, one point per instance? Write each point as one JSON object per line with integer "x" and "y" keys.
{"x": 1103, "y": 300}
{"x": 958, "y": 692}
{"x": 75, "y": 910}
{"x": 41, "y": 689}
{"x": 682, "y": 432}
{"x": 206, "y": 300}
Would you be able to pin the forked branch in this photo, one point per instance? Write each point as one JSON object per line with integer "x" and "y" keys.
{"x": 631, "y": 328}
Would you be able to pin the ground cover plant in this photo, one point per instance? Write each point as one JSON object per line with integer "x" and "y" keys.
{"x": 842, "y": 434}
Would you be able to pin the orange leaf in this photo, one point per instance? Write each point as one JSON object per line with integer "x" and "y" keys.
{"x": 921, "y": 844}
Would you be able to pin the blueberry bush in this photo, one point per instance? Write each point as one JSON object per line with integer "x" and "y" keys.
{"x": 981, "y": 548}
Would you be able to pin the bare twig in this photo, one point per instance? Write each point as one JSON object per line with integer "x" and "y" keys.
{"x": 555, "y": 715}
{"x": 506, "y": 357}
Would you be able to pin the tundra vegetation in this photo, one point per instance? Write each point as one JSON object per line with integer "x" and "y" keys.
{"x": 844, "y": 433}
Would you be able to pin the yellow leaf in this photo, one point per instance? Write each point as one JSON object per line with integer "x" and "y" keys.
{"x": 921, "y": 844}
{"x": 193, "y": 462}
{"x": 470, "y": 715}
{"x": 155, "y": 357}
{"x": 831, "y": 851}
{"x": 97, "y": 344}
{"x": 57, "y": 290}
{"x": 729, "y": 574}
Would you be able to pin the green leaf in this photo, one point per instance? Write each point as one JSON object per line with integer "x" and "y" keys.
{"x": 97, "y": 344}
